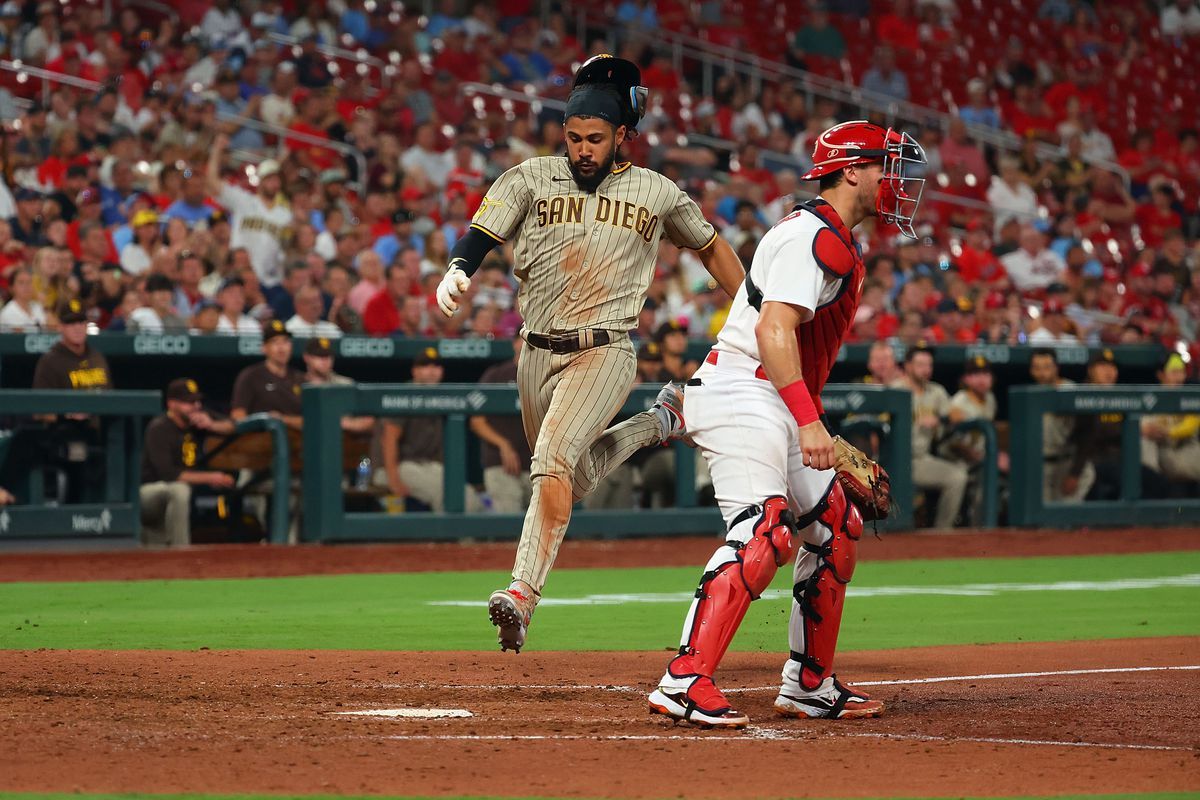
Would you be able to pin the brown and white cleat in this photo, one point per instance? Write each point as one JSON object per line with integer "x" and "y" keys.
{"x": 831, "y": 700}
{"x": 510, "y": 611}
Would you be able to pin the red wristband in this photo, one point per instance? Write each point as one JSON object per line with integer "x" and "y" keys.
{"x": 796, "y": 397}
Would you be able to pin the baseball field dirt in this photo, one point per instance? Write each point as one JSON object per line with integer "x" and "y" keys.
{"x": 272, "y": 722}
{"x": 1104, "y": 717}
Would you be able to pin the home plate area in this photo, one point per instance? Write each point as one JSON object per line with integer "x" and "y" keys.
{"x": 551, "y": 724}
{"x": 1023, "y": 709}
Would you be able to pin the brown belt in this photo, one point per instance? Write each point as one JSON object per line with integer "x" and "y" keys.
{"x": 571, "y": 342}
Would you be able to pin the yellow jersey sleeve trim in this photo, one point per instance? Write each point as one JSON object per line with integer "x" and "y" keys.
{"x": 709, "y": 243}
{"x": 617, "y": 170}
{"x": 482, "y": 229}
{"x": 1186, "y": 428}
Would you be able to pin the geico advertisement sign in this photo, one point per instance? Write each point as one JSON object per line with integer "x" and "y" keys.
{"x": 366, "y": 347}
{"x": 157, "y": 344}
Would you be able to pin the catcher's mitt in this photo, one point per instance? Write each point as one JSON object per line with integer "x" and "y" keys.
{"x": 865, "y": 483}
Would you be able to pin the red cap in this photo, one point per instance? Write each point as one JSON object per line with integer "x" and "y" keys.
{"x": 994, "y": 300}
{"x": 1112, "y": 275}
{"x": 1140, "y": 270}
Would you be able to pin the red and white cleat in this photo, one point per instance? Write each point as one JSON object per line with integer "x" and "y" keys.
{"x": 695, "y": 699}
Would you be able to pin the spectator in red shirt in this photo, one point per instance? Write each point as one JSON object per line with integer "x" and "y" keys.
{"x": 455, "y": 59}
{"x": 1080, "y": 84}
{"x": 315, "y": 115}
{"x": 65, "y": 153}
{"x": 384, "y": 312}
{"x": 1158, "y": 216}
{"x": 750, "y": 167}
{"x": 955, "y": 321}
{"x": 898, "y": 27}
{"x": 1139, "y": 294}
{"x": 1028, "y": 115}
{"x": 1142, "y": 162}
{"x": 466, "y": 176}
{"x": 660, "y": 77}
{"x": 976, "y": 262}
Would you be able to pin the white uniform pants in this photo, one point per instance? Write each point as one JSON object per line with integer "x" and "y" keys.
{"x": 752, "y": 445}
{"x": 750, "y": 440}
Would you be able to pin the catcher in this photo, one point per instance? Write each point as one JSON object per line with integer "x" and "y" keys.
{"x": 754, "y": 408}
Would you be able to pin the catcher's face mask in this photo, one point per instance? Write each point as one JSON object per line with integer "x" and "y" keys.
{"x": 860, "y": 142}
{"x": 900, "y": 194}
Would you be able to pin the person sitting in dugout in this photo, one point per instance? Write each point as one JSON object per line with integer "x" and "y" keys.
{"x": 169, "y": 457}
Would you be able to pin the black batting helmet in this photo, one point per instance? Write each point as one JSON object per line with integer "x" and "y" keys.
{"x": 625, "y": 77}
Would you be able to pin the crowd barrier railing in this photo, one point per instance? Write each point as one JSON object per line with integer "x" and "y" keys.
{"x": 326, "y": 520}
{"x": 123, "y": 417}
{"x": 1028, "y": 405}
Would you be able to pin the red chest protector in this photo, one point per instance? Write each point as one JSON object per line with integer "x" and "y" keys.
{"x": 838, "y": 256}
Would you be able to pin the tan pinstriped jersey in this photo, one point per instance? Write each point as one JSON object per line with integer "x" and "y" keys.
{"x": 586, "y": 260}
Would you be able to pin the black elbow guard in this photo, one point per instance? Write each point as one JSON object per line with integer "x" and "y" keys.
{"x": 470, "y": 250}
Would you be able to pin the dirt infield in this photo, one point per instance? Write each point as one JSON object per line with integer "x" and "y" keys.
{"x": 252, "y": 561}
{"x": 268, "y": 722}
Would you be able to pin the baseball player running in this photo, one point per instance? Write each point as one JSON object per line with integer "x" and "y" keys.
{"x": 754, "y": 408}
{"x": 586, "y": 234}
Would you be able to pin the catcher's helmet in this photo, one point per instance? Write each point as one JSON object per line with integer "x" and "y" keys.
{"x": 851, "y": 143}
{"x": 624, "y": 76}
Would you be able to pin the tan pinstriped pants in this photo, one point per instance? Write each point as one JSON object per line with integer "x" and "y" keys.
{"x": 566, "y": 400}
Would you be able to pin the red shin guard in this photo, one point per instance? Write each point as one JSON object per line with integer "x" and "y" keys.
{"x": 726, "y": 591}
{"x": 822, "y": 596}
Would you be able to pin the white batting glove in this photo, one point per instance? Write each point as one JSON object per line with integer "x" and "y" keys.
{"x": 453, "y": 284}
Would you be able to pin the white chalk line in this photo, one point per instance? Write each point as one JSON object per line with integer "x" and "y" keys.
{"x": 756, "y": 734}
{"x": 963, "y": 590}
{"x": 617, "y": 688}
{"x": 988, "y": 677}
{"x": 409, "y": 713}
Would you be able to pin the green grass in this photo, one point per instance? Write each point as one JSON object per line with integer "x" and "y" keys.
{"x": 389, "y": 612}
{"x": 64, "y": 796}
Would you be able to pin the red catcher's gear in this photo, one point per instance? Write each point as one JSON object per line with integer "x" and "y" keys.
{"x": 726, "y": 590}
{"x": 860, "y": 142}
{"x": 822, "y": 596}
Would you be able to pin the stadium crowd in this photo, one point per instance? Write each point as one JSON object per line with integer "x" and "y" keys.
{"x": 147, "y": 201}
{"x": 201, "y": 173}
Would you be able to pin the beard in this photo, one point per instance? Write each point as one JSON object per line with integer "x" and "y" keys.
{"x": 589, "y": 183}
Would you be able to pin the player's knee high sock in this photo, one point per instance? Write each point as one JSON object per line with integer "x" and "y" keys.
{"x": 819, "y": 593}
{"x": 737, "y": 573}
{"x": 612, "y": 449}
{"x": 544, "y": 528}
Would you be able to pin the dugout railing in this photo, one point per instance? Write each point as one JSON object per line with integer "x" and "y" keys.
{"x": 111, "y": 426}
{"x": 279, "y": 471}
{"x": 325, "y": 518}
{"x": 1028, "y": 405}
{"x": 120, "y": 419}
